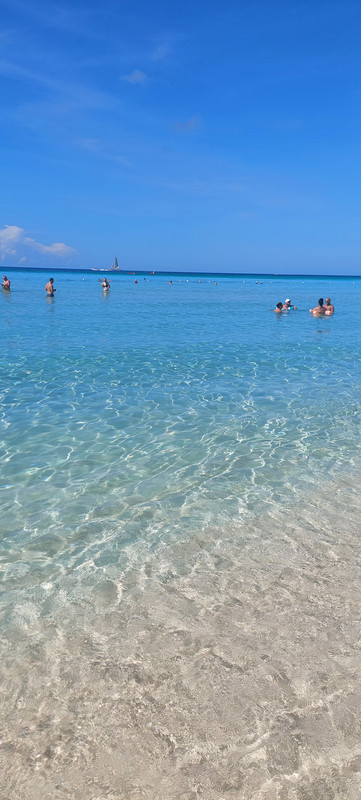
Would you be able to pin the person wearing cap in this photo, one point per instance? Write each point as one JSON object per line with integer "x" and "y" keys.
{"x": 287, "y": 305}
{"x": 6, "y": 283}
{"x": 329, "y": 307}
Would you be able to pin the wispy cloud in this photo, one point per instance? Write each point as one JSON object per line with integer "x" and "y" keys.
{"x": 188, "y": 126}
{"x": 13, "y": 241}
{"x": 102, "y": 150}
{"x": 136, "y": 77}
{"x": 160, "y": 52}
{"x": 75, "y": 94}
{"x": 71, "y": 19}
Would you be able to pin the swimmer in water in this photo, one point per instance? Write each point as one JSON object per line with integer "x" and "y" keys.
{"x": 49, "y": 288}
{"x": 318, "y": 310}
{"x": 279, "y": 308}
{"x": 329, "y": 307}
{"x": 105, "y": 284}
{"x": 287, "y": 305}
{"x": 6, "y": 283}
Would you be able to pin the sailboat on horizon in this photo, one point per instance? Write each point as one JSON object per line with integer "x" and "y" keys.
{"x": 115, "y": 266}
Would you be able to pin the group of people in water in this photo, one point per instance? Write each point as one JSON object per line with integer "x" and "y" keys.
{"x": 49, "y": 287}
{"x": 319, "y": 310}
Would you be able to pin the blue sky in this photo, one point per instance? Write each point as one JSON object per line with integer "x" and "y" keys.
{"x": 218, "y": 135}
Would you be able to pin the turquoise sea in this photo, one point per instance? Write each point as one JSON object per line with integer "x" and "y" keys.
{"x": 180, "y": 473}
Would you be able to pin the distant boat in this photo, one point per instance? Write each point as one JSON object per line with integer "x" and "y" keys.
{"x": 115, "y": 266}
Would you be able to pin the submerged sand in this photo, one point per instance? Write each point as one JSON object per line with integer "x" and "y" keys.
{"x": 223, "y": 667}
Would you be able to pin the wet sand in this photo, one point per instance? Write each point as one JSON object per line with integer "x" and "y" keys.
{"x": 225, "y": 667}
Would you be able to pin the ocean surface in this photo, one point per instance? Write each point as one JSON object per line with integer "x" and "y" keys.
{"x": 180, "y": 607}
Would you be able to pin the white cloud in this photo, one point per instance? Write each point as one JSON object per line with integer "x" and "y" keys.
{"x": 10, "y": 236}
{"x": 136, "y": 77}
{"x": 55, "y": 249}
{"x": 13, "y": 242}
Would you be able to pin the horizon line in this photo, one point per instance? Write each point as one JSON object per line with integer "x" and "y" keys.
{"x": 188, "y": 273}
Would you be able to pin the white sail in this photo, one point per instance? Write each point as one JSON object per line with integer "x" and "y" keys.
{"x": 115, "y": 266}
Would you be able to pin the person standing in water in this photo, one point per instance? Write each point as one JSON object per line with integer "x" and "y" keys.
{"x": 329, "y": 307}
{"x": 320, "y": 309}
{"x": 6, "y": 283}
{"x": 49, "y": 288}
{"x": 105, "y": 283}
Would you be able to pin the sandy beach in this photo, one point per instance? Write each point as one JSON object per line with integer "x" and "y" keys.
{"x": 225, "y": 668}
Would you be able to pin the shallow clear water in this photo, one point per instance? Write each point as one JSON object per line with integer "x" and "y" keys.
{"x": 159, "y": 443}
